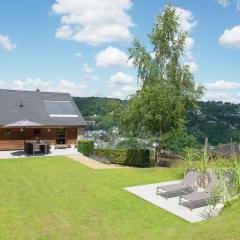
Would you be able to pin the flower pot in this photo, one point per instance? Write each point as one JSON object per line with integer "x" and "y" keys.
{"x": 53, "y": 146}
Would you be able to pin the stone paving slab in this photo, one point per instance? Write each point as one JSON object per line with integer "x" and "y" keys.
{"x": 148, "y": 192}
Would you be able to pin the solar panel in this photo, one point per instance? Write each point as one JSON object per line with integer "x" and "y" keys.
{"x": 53, "y": 108}
{"x": 67, "y": 108}
{"x": 57, "y": 108}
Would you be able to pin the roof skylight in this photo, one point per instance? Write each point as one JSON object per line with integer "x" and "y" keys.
{"x": 60, "y": 109}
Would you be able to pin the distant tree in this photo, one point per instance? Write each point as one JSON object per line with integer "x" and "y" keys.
{"x": 167, "y": 85}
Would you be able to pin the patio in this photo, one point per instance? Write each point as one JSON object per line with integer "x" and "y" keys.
{"x": 148, "y": 193}
{"x": 53, "y": 152}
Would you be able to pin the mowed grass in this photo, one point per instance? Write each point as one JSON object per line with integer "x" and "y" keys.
{"x": 57, "y": 198}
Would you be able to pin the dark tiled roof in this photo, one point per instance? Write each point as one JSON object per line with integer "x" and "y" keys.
{"x": 34, "y": 109}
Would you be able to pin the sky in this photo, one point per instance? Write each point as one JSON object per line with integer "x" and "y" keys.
{"x": 81, "y": 47}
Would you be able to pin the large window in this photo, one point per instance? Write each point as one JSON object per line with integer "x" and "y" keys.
{"x": 61, "y": 136}
{"x": 60, "y": 109}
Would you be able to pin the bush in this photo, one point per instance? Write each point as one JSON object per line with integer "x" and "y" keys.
{"x": 165, "y": 163}
{"x": 86, "y": 147}
{"x": 177, "y": 140}
{"x": 129, "y": 157}
{"x": 130, "y": 143}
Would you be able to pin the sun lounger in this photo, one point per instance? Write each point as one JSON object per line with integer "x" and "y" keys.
{"x": 187, "y": 185}
{"x": 197, "y": 199}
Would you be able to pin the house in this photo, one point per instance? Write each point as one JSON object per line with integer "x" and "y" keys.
{"x": 58, "y": 119}
{"x": 91, "y": 123}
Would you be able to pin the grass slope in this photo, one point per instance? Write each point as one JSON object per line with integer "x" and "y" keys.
{"x": 57, "y": 198}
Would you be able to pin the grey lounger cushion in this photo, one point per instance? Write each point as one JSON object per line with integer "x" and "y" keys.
{"x": 187, "y": 185}
{"x": 197, "y": 199}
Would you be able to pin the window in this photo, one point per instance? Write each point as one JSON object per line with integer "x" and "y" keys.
{"x": 67, "y": 108}
{"x": 60, "y": 109}
{"x": 60, "y": 136}
{"x": 37, "y": 132}
{"x": 53, "y": 108}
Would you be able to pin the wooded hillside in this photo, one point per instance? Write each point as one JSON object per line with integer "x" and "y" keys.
{"x": 218, "y": 121}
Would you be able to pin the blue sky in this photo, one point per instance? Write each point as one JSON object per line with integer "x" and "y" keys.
{"x": 80, "y": 46}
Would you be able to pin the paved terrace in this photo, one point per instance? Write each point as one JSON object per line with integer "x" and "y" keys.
{"x": 22, "y": 154}
{"x": 148, "y": 192}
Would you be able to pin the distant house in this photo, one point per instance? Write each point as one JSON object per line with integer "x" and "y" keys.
{"x": 91, "y": 123}
{"x": 58, "y": 120}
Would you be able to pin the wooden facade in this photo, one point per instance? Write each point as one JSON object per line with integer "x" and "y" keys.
{"x": 13, "y": 139}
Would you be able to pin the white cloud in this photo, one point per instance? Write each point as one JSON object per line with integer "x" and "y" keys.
{"x": 72, "y": 87}
{"x": 93, "y": 21}
{"x": 193, "y": 67}
{"x": 189, "y": 43}
{"x": 238, "y": 5}
{"x": 117, "y": 94}
{"x": 78, "y": 55}
{"x": 124, "y": 83}
{"x": 186, "y": 19}
{"x": 2, "y": 84}
{"x": 89, "y": 77}
{"x": 224, "y": 3}
{"x": 222, "y": 96}
{"x": 223, "y": 85}
{"x": 113, "y": 57}
{"x": 6, "y": 43}
{"x": 187, "y": 23}
{"x": 88, "y": 73}
{"x": 124, "y": 92}
{"x": 87, "y": 69}
{"x": 121, "y": 78}
{"x": 129, "y": 89}
{"x": 153, "y": 55}
{"x": 231, "y": 37}
{"x": 31, "y": 84}
{"x": 222, "y": 91}
{"x": 64, "y": 32}
{"x": 76, "y": 89}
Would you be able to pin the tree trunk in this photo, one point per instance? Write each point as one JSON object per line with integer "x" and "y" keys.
{"x": 158, "y": 151}
{"x": 157, "y": 155}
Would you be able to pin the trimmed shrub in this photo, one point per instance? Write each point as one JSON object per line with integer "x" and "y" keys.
{"x": 129, "y": 157}
{"x": 85, "y": 147}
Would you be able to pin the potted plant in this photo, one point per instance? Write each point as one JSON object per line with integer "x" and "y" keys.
{"x": 53, "y": 146}
{"x": 73, "y": 145}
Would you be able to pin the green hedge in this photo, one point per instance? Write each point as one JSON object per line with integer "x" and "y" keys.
{"x": 129, "y": 157}
{"x": 86, "y": 147}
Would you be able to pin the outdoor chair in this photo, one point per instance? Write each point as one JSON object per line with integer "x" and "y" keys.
{"x": 198, "y": 199}
{"x": 187, "y": 185}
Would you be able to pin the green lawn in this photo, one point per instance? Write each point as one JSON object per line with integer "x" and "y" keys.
{"x": 57, "y": 198}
